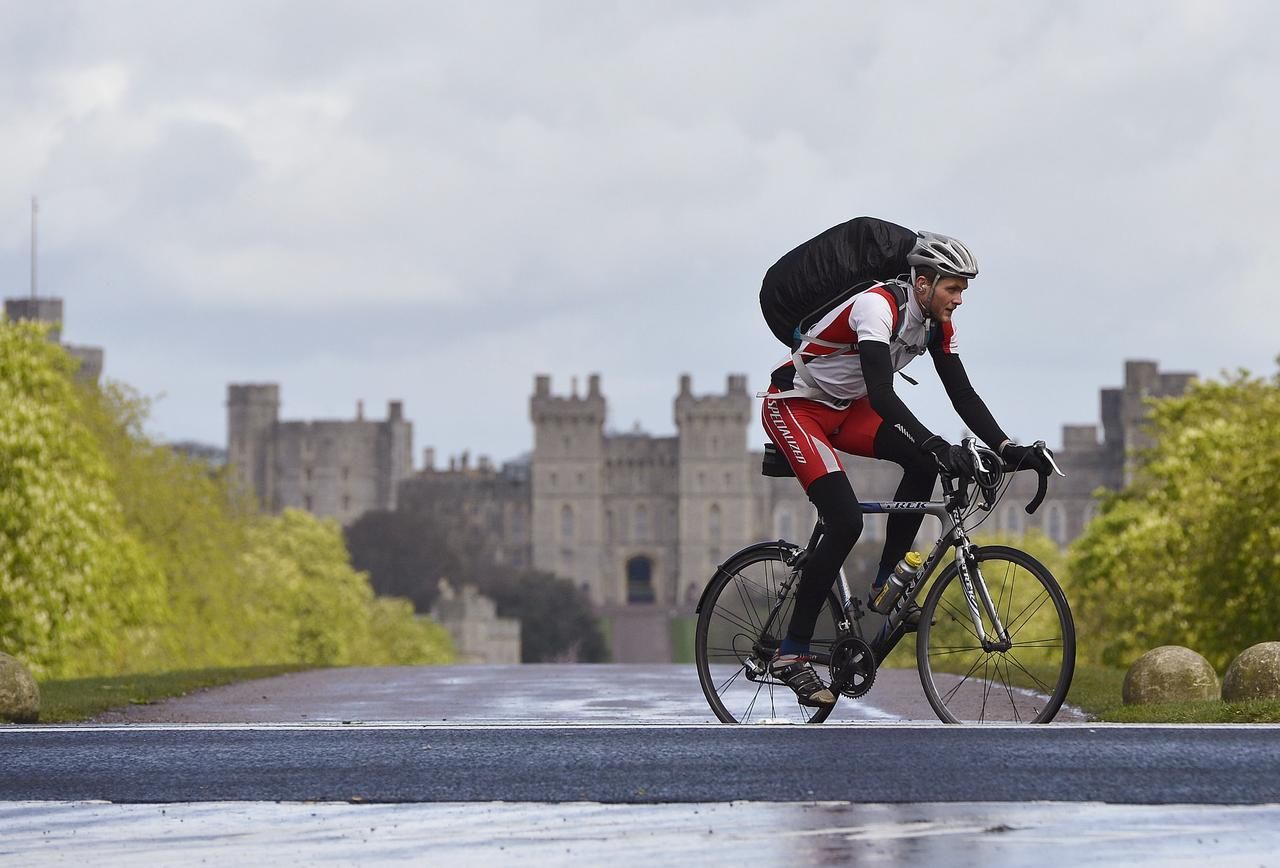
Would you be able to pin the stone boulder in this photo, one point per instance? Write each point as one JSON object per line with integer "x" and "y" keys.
{"x": 19, "y": 695}
{"x": 1169, "y": 673}
{"x": 1254, "y": 674}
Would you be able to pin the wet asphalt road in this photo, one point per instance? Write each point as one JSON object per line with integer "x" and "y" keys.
{"x": 639, "y": 764}
{"x": 582, "y": 765}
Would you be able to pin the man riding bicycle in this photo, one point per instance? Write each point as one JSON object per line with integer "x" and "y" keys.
{"x": 835, "y": 392}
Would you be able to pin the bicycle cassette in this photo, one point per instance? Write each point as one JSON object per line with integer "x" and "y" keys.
{"x": 853, "y": 666}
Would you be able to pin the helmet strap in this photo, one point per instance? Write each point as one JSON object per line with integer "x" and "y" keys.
{"x": 926, "y": 305}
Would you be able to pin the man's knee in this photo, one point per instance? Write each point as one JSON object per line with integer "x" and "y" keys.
{"x": 838, "y": 507}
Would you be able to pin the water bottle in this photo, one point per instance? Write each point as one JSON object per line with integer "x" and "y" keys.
{"x": 902, "y": 574}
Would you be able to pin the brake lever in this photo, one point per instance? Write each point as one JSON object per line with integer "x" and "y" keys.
{"x": 1044, "y": 450}
{"x": 1042, "y": 487}
{"x": 972, "y": 445}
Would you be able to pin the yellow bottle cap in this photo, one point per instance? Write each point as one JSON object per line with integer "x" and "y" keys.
{"x": 914, "y": 560}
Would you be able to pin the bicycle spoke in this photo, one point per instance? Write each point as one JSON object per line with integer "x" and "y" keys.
{"x": 1008, "y": 689}
{"x": 952, "y": 692}
{"x": 747, "y": 607}
{"x": 732, "y": 678}
{"x": 1044, "y": 688}
{"x": 986, "y": 689}
{"x": 1038, "y": 602}
{"x": 738, "y": 622}
{"x": 1039, "y": 643}
{"x": 956, "y": 649}
{"x": 964, "y": 619}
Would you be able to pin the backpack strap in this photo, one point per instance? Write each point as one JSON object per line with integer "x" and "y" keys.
{"x": 901, "y": 293}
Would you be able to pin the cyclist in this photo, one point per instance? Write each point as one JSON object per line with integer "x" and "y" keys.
{"x": 835, "y": 392}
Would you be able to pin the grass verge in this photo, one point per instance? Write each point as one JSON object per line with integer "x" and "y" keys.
{"x": 1098, "y": 691}
{"x": 79, "y": 699}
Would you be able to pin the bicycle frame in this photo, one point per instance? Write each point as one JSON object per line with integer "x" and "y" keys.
{"x": 953, "y": 535}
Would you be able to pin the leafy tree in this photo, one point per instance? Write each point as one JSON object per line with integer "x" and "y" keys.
{"x": 408, "y": 552}
{"x": 1189, "y": 554}
{"x": 326, "y": 611}
{"x": 77, "y": 590}
{"x": 118, "y": 554}
{"x": 557, "y": 624}
{"x": 405, "y": 554}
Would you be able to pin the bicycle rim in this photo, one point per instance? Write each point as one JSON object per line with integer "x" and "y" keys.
{"x": 731, "y": 629}
{"x": 1026, "y": 683}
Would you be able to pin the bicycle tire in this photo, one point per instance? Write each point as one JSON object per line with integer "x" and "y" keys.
{"x": 734, "y": 607}
{"x": 1025, "y": 684}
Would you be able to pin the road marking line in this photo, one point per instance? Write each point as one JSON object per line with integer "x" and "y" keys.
{"x": 838, "y": 727}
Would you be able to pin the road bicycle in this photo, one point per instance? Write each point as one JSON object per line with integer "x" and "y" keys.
{"x": 995, "y": 641}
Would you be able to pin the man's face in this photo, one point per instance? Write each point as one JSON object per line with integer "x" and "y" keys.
{"x": 947, "y": 296}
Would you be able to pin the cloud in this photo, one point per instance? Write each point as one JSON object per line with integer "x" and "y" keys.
{"x": 426, "y": 200}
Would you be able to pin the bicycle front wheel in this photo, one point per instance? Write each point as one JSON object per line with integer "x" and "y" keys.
{"x": 736, "y": 637}
{"x": 1022, "y": 681}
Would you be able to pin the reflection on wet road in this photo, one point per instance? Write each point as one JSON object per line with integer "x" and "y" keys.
{"x": 605, "y": 694}
{"x": 590, "y": 834}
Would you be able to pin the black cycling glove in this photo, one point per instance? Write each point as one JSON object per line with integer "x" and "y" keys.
{"x": 954, "y": 460}
{"x": 1025, "y": 458}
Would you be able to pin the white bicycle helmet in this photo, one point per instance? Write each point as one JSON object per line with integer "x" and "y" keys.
{"x": 945, "y": 255}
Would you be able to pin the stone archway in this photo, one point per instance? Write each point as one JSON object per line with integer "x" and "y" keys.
{"x": 640, "y": 579}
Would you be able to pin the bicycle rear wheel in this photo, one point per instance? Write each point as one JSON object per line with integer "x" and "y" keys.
{"x": 1024, "y": 683}
{"x": 732, "y": 647}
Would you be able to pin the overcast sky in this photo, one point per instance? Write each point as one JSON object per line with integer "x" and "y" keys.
{"x": 434, "y": 202}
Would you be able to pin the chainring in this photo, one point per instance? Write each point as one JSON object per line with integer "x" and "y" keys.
{"x": 853, "y": 666}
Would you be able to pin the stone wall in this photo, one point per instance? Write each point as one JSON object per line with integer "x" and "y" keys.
{"x": 336, "y": 469}
{"x": 479, "y": 635}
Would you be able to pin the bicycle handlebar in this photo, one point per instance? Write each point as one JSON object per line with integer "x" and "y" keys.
{"x": 1042, "y": 487}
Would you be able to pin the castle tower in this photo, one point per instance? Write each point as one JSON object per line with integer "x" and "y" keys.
{"x": 252, "y": 412}
{"x": 568, "y": 484}
{"x": 715, "y": 505}
{"x": 1142, "y": 380}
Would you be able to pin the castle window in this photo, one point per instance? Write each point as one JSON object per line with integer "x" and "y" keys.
{"x": 640, "y": 580}
{"x": 566, "y": 522}
{"x": 713, "y": 523}
{"x": 642, "y": 522}
{"x": 308, "y": 472}
{"x": 786, "y": 525}
{"x": 306, "y": 503}
{"x": 728, "y": 480}
{"x": 554, "y": 479}
{"x": 346, "y": 503}
{"x": 1056, "y": 523}
{"x": 582, "y": 480}
{"x": 568, "y": 444}
{"x": 1090, "y": 510}
{"x": 1012, "y": 519}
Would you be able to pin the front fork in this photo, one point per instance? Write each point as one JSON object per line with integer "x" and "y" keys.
{"x": 975, "y": 588}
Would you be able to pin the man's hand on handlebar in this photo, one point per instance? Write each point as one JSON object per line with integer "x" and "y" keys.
{"x": 1025, "y": 458}
{"x": 1039, "y": 457}
{"x": 952, "y": 460}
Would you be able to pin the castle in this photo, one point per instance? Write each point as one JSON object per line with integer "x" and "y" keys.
{"x": 46, "y": 309}
{"x": 639, "y": 522}
{"x": 334, "y": 468}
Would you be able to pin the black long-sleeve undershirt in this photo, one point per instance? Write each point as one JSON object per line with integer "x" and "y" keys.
{"x": 877, "y": 373}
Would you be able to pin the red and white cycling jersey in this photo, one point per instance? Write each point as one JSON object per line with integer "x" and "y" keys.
{"x": 869, "y": 315}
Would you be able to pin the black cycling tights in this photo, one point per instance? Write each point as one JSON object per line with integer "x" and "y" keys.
{"x": 842, "y": 525}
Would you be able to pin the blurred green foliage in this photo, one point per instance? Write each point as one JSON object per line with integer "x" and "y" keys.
{"x": 1189, "y": 553}
{"x": 119, "y": 555}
